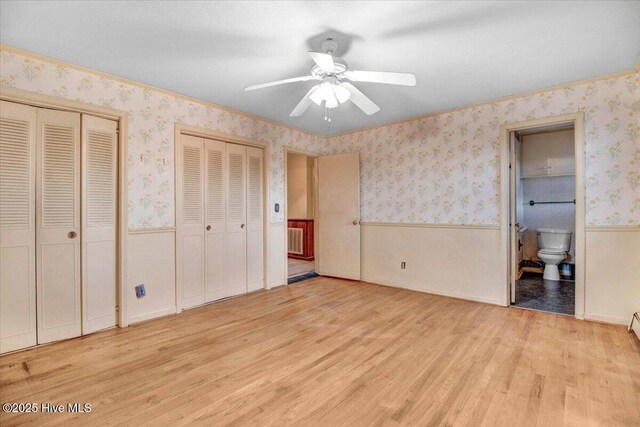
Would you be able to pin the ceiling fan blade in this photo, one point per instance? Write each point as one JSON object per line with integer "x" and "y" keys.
{"x": 304, "y": 103}
{"x": 324, "y": 61}
{"x": 361, "y": 100}
{"x": 280, "y": 82}
{"x": 403, "y": 79}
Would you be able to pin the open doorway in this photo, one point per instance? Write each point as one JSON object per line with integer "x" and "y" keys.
{"x": 301, "y": 210}
{"x": 542, "y": 202}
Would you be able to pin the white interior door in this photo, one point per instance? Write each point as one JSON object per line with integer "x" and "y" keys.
{"x": 17, "y": 226}
{"x": 58, "y": 229}
{"x": 339, "y": 215}
{"x": 255, "y": 219}
{"x": 513, "y": 216}
{"x": 99, "y": 189}
{"x": 236, "y": 160}
{"x": 192, "y": 239}
{"x": 215, "y": 229}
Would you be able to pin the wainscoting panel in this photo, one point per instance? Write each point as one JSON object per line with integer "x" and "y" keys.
{"x": 456, "y": 261}
{"x": 277, "y": 259}
{"x": 612, "y": 274}
{"x": 151, "y": 260}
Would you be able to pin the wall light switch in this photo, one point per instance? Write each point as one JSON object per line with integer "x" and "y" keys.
{"x": 277, "y": 207}
{"x": 403, "y": 265}
{"x": 140, "y": 291}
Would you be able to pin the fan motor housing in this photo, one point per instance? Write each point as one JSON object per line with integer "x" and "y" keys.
{"x": 340, "y": 67}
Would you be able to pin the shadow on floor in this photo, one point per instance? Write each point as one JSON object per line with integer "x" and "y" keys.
{"x": 532, "y": 291}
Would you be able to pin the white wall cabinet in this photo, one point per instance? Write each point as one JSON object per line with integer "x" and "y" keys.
{"x": 58, "y": 189}
{"x": 548, "y": 154}
{"x": 221, "y": 217}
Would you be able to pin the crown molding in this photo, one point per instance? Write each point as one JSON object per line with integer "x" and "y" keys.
{"x": 496, "y": 100}
{"x": 37, "y": 56}
{"x": 7, "y": 48}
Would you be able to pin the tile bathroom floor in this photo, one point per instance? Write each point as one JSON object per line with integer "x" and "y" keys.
{"x": 557, "y": 296}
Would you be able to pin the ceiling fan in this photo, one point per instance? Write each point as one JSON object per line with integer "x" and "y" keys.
{"x": 335, "y": 89}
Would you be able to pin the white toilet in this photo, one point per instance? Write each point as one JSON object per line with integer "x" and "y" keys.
{"x": 553, "y": 245}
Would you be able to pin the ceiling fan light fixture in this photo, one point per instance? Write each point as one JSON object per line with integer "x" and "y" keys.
{"x": 322, "y": 93}
{"x": 331, "y": 102}
{"x": 341, "y": 93}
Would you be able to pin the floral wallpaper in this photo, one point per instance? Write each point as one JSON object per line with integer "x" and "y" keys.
{"x": 445, "y": 168}
{"x": 151, "y": 130}
{"x": 440, "y": 169}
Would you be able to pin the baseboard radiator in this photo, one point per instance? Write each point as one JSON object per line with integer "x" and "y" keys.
{"x": 295, "y": 240}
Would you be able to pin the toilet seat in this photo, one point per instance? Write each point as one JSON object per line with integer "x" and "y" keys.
{"x": 552, "y": 251}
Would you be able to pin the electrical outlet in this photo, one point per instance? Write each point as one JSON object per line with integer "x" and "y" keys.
{"x": 140, "y": 291}
{"x": 403, "y": 265}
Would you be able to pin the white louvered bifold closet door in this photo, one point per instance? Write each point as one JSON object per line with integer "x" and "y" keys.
{"x": 192, "y": 185}
{"x": 17, "y": 226}
{"x": 255, "y": 227}
{"x": 216, "y": 226}
{"x": 99, "y": 192}
{"x": 58, "y": 229}
{"x": 236, "y": 160}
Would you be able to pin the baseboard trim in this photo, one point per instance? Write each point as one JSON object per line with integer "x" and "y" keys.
{"x": 276, "y": 284}
{"x": 152, "y": 315}
{"x": 133, "y": 231}
{"x": 435, "y": 292}
{"x": 606, "y": 319}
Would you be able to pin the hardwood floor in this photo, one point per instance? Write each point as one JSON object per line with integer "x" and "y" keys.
{"x": 334, "y": 352}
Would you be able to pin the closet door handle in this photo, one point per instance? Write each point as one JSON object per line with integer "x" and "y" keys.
{"x": 242, "y": 226}
{"x": 72, "y": 234}
{"x": 208, "y": 228}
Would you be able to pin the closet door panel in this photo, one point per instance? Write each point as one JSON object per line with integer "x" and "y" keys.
{"x": 215, "y": 229}
{"x": 255, "y": 217}
{"x": 17, "y": 226}
{"x": 192, "y": 184}
{"x": 236, "y": 160}
{"x": 99, "y": 189}
{"x": 58, "y": 240}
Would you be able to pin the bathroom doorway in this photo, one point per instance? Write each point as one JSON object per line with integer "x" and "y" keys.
{"x": 546, "y": 217}
{"x": 301, "y": 188}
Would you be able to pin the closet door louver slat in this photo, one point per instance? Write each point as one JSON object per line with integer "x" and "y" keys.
{"x": 192, "y": 191}
{"x": 15, "y": 173}
{"x": 59, "y": 178}
{"x": 237, "y": 207}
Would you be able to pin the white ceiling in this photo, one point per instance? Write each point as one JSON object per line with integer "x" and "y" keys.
{"x": 460, "y": 52}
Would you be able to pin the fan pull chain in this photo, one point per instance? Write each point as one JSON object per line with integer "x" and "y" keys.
{"x": 327, "y": 113}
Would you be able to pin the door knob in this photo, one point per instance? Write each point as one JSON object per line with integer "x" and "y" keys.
{"x": 242, "y": 226}
{"x": 356, "y": 222}
{"x": 72, "y": 234}
{"x": 208, "y": 227}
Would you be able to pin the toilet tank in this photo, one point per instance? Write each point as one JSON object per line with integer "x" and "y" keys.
{"x": 553, "y": 238}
